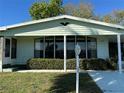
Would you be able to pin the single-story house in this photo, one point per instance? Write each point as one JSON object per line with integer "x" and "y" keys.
{"x": 56, "y": 37}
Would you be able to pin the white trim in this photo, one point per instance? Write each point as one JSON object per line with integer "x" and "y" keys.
{"x": 65, "y": 53}
{"x": 3, "y": 28}
{"x": 62, "y": 17}
{"x": 119, "y": 53}
{"x": 2, "y": 53}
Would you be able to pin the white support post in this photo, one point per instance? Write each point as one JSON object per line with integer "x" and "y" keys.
{"x": 1, "y": 52}
{"x": 119, "y": 53}
{"x": 65, "y": 53}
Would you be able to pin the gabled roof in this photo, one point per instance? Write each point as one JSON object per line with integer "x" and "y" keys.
{"x": 62, "y": 17}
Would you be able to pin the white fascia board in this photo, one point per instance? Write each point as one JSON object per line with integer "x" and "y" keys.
{"x": 94, "y": 22}
{"x": 67, "y": 17}
{"x": 35, "y": 22}
{"x": 3, "y": 28}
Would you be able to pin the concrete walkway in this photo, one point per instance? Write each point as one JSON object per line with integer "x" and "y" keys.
{"x": 109, "y": 82}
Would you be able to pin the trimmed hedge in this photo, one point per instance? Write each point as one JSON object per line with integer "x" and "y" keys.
{"x": 96, "y": 64}
{"x": 85, "y": 64}
{"x": 38, "y": 63}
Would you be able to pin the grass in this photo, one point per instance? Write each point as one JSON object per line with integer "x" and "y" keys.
{"x": 45, "y": 83}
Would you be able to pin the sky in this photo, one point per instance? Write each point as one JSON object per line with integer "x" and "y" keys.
{"x": 17, "y": 11}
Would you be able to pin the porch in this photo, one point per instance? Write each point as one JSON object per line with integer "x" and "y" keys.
{"x": 20, "y": 49}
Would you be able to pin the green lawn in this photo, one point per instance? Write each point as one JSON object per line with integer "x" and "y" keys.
{"x": 45, "y": 83}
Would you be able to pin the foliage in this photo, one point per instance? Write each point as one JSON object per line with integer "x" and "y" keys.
{"x": 80, "y": 10}
{"x": 45, "y": 9}
{"x": 38, "y": 63}
{"x": 55, "y": 7}
{"x": 96, "y": 64}
{"x": 112, "y": 63}
{"x": 50, "y": 8}
{"x": 85, "y": 64}
{"x": 116, "y": 17}
{"x": 107, "y": 18}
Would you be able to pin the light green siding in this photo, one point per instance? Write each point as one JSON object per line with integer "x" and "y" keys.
{"x": 52, "y": 28}
{"x": 25, "y": 49}
{"x": 102, "y": 47}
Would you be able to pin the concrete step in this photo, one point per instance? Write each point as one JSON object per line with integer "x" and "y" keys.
{"x": 9, "y": 69}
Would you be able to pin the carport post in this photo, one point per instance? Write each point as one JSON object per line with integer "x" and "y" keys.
{"x": 1, "y": 52}
{"x": 119, "y": 53}
{"x": 64, "y": 53}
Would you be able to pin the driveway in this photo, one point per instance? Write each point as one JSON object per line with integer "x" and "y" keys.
{"x": 109, "y": 82}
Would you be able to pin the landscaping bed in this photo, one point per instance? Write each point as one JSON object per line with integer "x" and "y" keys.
{"x": 85, "y": 64}
{"x": 46, "y": 83}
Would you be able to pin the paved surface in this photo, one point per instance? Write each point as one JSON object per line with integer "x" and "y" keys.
{"x": 109, "y": 82}
{"x": 52, "y": 71}
{"x": 23, "y": 71}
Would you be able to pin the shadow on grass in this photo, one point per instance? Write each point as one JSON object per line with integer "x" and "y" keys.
{"x": 65, "y": 83}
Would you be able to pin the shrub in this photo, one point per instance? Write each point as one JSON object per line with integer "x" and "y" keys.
{"x": 85, "y": 64}
{"x": 96, "y": 64}
{"x": 112, "y": 63}
{"x": 71, "y": 64}
{"x": 7, "y": 66}
{"x": 38, "y": 63}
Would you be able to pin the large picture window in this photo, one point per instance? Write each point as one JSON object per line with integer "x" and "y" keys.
{"x": 53, "y": 47}
{"x": 122, "y": 50}
{"x": 70, "y": 47}
{"x": 7, "y": 47}
{"x": 13, "y": 48}
{"x": 91, "y": 47}
{"x": 114, "y": 54}
{"x": 113, "y": 46}
{"x": 59, "y": 47}
{"x": 39, "y": 47}
{"x": 82, "y": 43}
{"x": 49, "y": 47}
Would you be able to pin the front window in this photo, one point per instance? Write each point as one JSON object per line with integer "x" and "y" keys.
{"x": 39, "y": 47}
{"x": 91, "y": 47}
{"x": 113, "y": 46}
{"x": 82, "y": 43}
{"x": 114, "y": 54}
{"x": 49, "y": 47}
{"x": 59, "y": 47}
{"x": 13, "y": 48}
{"x": 122, "y": 49}
{"x": 70, "y": 47}
{"x": 7, "y": 47}
{"x": 53, "y": 47}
